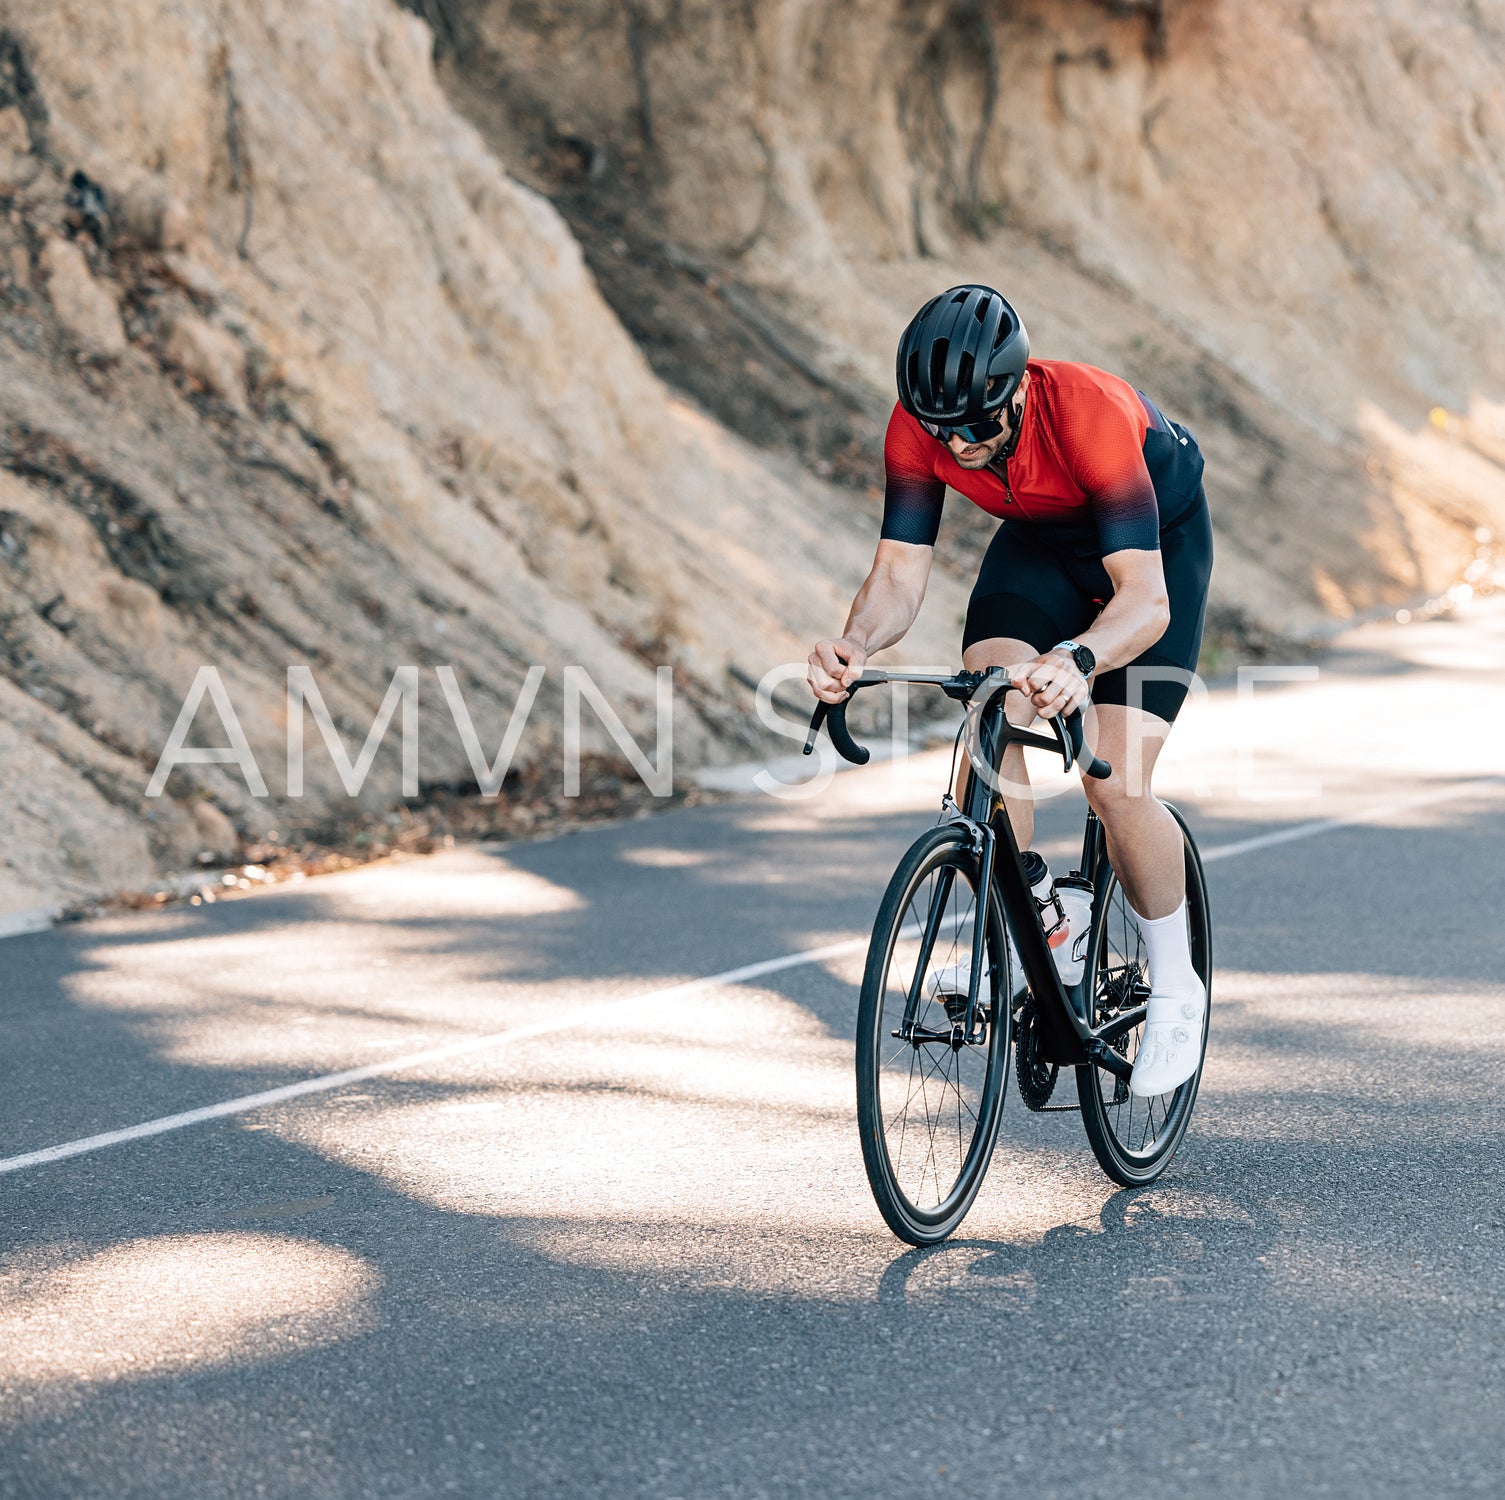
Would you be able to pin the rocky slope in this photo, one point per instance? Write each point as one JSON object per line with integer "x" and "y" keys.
{"x": 301, "y": 361}
{"x": 1287, "y": 221}
{"x": 293, "y": 372}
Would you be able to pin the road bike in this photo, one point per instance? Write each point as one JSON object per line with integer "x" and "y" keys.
{"x": 932, "y": 1057}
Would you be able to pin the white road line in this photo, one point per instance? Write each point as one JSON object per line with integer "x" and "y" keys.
{"x": 1355, "y": 820}
{"x": 327, "y": 1082}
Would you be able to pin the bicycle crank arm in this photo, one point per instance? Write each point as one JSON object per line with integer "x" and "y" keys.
{"x": 1122, "y": 1024}
{"x": 1106, "y": 1058}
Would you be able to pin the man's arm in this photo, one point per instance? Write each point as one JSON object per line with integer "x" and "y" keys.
{"x": 884, "y": 609}
{"x": 1131, "y": 622}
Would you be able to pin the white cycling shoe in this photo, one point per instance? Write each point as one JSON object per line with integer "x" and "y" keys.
{"x": 952, "y": 980}
{"x": 1172, "y": 1045}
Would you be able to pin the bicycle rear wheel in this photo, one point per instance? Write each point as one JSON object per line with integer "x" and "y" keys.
{"x": 1133, "y": 1138}
{"x": 928, "y": 1106}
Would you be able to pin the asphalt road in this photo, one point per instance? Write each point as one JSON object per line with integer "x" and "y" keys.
{"x": 628, "y": 1249}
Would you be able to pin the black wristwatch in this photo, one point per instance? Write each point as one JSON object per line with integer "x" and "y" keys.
{"x": 1081, "y": 655}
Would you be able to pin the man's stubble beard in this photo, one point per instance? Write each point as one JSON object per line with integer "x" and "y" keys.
{"x": 987, "y": 456}
{"x": 995, "y": 450}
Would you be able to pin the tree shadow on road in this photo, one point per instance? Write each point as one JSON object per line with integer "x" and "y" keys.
{"x": 700, "y": 1299}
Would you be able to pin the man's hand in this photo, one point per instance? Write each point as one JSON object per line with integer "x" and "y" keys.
{"x": 1052, "y": 684}
{"x": 834, "y": 666}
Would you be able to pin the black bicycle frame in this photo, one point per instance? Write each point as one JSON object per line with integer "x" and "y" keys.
{"x": 1067, "y": 1036}
{"x": 1061, "y": 1040}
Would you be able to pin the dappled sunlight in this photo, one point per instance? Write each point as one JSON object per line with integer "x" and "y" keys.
{"x": 970, "y": 1269}
{"x": 655, "y": 858}
{"x": 1008, "y": 1271}
{"x": 623, "y": 1176}
{"x": 696, "y": 1105}
{"x": 633, "y": 1121}
{"x": 1319, "y": 746}
{"x": 1042, "y": 1211}
{"x": 162, "y": 1306}
{"x": 464, "y": 883}
{"x": 911, "y": 784}
{"x": 275, "y": 996}
{"x": 355, "y": 1021}
{"x": 709, "y": 1136}
{"x": 847, "y": 968}
{"x": 1371, "y": 1036}
{"x": 340, "y": 971}
{"x": 1335, "y": 729}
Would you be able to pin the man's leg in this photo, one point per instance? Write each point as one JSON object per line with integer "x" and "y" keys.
{"x": 999, "y": 651}
{"x": 1144, "y": 843}
{"x": 1144, "y": 840}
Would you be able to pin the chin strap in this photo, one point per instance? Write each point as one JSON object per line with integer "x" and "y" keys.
{"x": 1016, "y": 412}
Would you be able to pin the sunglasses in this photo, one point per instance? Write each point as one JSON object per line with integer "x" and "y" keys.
{"x": 971, "y": 432}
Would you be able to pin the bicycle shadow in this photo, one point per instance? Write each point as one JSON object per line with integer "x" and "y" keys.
{"x": 1153, "y": 1240}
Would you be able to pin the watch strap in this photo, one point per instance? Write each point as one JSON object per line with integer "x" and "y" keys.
{"x": 1081, "y": 656}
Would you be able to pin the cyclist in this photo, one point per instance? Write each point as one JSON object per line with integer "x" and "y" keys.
{"x": 1098, "y": 574}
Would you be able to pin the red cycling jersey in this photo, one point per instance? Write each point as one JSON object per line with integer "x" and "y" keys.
{"x": 1079, "y": 464}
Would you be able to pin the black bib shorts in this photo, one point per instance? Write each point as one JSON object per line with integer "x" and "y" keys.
{"x": 1043, "y": 584}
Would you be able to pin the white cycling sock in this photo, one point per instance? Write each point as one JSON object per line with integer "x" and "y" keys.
{"x": 1167, "y": 944}
{"x": 1171, "y": 1048}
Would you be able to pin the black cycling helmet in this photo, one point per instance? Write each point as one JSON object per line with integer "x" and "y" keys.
{"x": 962, "y": 357}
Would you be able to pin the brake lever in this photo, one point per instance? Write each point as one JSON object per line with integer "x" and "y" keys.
{"x": 1071, "y": 733}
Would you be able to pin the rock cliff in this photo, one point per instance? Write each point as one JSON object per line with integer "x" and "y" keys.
{"x": 293, "y": 372}
{"x": 505, "y": 333}
{"x": 1286, "y": 221}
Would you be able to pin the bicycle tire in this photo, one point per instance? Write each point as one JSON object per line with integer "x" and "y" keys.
{"x": 1128, "y": 1155}
{"x": 885, "y": 1059}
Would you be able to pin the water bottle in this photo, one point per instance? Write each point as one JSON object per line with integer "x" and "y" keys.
{"x": 1073, "y": 893}
{"x": 1041, "y": 887}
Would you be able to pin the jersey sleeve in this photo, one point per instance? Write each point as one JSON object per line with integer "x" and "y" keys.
{"x": 912, "y": 495}
{"x": 1103, "y": 447}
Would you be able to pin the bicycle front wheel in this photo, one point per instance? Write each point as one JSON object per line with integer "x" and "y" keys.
{"x": 1134, "y": 1138}
{"x": 928, "y": 1096}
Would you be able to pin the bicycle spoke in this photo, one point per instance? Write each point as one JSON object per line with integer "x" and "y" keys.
{"x": 930, "y": 1102}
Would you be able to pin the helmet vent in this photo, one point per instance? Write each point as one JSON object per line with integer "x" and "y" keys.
{"x": 938, "y": 352}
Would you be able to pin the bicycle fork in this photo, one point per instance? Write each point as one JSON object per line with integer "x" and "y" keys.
{"x": 969, "y": 1031}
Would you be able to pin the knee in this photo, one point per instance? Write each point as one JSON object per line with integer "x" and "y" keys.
{"x": 998, "y": 652}
{"x": 1112, "y": 797}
